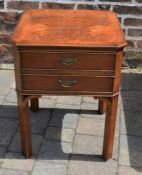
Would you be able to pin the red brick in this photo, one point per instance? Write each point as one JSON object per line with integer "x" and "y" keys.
{"x": 9, "y": 16}
{"x": 4, "y": 38}
{"x": 1, "y": 4}
{"x": 9, "y": 26}
{"x": 6, "y": 53}
{"x": 130, "y": 43}
{"x": 120, "y": 19}
{"x": 135, "y": 32}
{"x": 1, "y": 16}
{"x": 12, "y": 16}
{"x": 124, "y": 31}
{"x": 136, "y": 10}
{"x": 116, "y": 0}
{"x": 52, "y": 5}
{"x": 2, "y": 28}
{"x": 22, "y": 5}
{"x": 133, "y": 22}
{"x": 139, "y": 44}
{"x": 134, "y": 54}
{"x": 134, "y": 59}
{"x": 93, "y": 7}
{"x": 140, "y": 1}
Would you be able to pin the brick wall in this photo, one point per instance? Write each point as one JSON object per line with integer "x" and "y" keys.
{"x": 129, "y": 13}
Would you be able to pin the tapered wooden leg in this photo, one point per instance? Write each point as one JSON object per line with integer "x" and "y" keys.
{"x": 102, "y": 107}
{"x": 34, "y": 104}
{"x": 110, "y": 128}
{"x": 25, "y": 127}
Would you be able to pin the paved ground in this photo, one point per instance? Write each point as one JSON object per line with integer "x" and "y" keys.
{"x": 67, "y": 129}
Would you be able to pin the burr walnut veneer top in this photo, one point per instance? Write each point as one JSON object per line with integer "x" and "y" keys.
{"x": 93, "y": 28}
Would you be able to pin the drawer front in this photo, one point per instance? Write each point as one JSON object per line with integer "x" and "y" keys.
{"x": 66, "y": 83}
{"x": 90, "y": 61}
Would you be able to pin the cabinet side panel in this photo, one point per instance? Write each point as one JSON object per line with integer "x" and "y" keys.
{"x": 17, "y": 67}
{"x": 118, "y": 66}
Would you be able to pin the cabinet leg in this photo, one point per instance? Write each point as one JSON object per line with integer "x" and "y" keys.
{"x": 25, "y": 127}
{"x": 34, "y": 104}
{"x": 102, "y": 107}
{"x": 110, "y": 128}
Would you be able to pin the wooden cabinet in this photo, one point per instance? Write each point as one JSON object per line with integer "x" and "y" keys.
{"x": 68, "y": 52}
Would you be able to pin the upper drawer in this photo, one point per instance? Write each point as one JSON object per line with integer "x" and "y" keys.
{"x": 59, "y": 60}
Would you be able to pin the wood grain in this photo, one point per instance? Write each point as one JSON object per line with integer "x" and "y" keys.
{"x": 69, "y": 28}
{"x": 49, "y": 60}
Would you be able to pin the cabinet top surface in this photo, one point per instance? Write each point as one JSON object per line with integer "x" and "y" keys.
{"x": 79, "y": 28}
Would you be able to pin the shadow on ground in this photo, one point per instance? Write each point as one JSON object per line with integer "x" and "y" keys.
{"x": 131, "y": 121}
{"x": 46, "y": 134}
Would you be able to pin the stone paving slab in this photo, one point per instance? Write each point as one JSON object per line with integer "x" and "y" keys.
{"x": 89, "y": 106}
{"x": 2, "y": 97}
{"x": 65, "y": 118}
{"x": 130, "y": 151}
{"x": 126, "y": 170}
{"x": 17, "y": 162}
{"x": 91, "y": 114}
{"x": 137, "y": 94}
{"x": 39, "y": 121}
{"x": 115, "y": 154}
{"x": 47, "y": 103}
{"x": 131, "y": 82}
{"x": 86, "y": 144}
{"x": 2, "y": 152}
{"x": 90, "y": 110}
{"x": 58, "y": 134}
{"x": 67, "y": 106}
{"x": 71, "y": 100}
{"x": 89, "y": 100}
{"x": 4, "y": 89}
{"x": 91, "y": 166}
{"x": 90, "y": 126}
{"x": 131, "y": 123}
{"x": 7, "y": 130}
{"x": 6, "y": 81}
{"x": 132, "y": 104}
{"x": 55, "y": 152}
{"x": 9, "y": 111}
{"x": 12, "y": 172}
{"x": 11, "y": 97}
{"x": 15, "y": 145}
{"x": 47, "y": 168}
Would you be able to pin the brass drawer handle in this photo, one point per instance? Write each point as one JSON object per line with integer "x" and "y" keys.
{"x": 67, "y": 83}
{"x": 67, "y": 60}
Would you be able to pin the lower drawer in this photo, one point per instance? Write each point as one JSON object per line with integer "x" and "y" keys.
{"x": 56, "y": 83}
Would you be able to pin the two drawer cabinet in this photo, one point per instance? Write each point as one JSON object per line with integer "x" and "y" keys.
{"x": 67, "y": 72}
{"x": 68, "y": 52}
